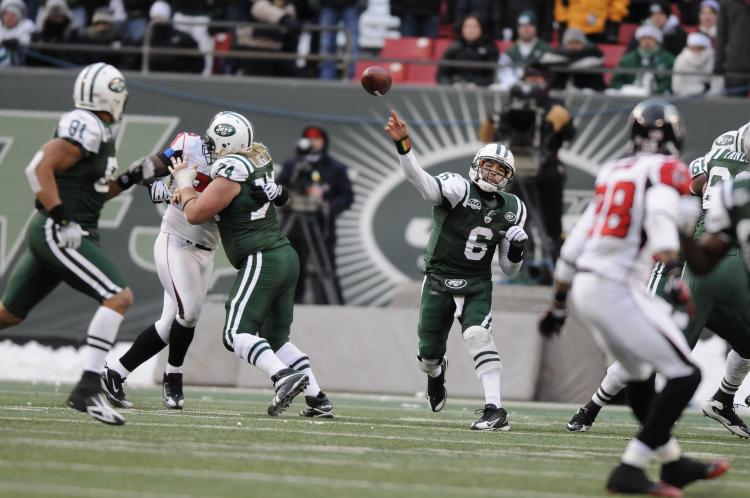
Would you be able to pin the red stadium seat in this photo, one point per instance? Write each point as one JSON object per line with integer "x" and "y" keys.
{"x": 690, "y": 28}
{"x": 439, "y": 48}
{"x": 626, "y": 33}
{"x": 422, "y": 74}
{"x": 407, "y": 48}
{"x": 612, "y": 56}
{"x": 502, "y": 45}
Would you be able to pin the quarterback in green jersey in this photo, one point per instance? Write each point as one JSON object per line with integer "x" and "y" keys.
{"x": 260, "y": 305}
{"x": 72, "y": 176}
{"x": 472, "y": 218}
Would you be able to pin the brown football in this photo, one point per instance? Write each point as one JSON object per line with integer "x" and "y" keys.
{"x": 376, "y": 80}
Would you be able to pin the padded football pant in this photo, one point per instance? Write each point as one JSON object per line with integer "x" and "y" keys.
{"x": 44, "y": 265}
{"x": 262, "y": 297}
{"x": 437, "y": 312}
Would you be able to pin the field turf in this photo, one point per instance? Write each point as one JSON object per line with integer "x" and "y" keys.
{"x": 223, "y": 445}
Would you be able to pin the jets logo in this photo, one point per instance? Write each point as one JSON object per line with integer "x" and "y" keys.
{"x": 117, "y": 85}
{"x": 727, "y": 139}
{"x": 510, "y": 216}
{"x": 224, "y": 130}
{"x": 455, "y": 283}
{"x": 474, "y": 204}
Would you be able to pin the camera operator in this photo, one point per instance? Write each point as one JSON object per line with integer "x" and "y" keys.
{"x": 320, "y": 190}
{"x": 535, "y": 125}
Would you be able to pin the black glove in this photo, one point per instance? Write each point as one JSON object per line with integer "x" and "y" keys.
{"x": 270, "y": 192}
{"x": 551, "y": 322}
{"x": 11, "y": 43}
{"x": 677, "y": 294}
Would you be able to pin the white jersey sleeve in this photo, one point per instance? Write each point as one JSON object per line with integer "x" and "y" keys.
{"x": 233, "y": 167}
{"x": 660, "y": 220}
{"x": 453, "y": 188}
{"x": 717, "y": 218}
{"x": 565, "y": 268}
{"x": 422, "y": 181}
{"x": 83, "y": 128}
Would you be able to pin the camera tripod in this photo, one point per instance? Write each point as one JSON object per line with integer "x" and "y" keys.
{"x": 319, "y": 267}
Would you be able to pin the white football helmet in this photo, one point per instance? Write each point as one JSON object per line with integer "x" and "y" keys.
{"x": 101, "y": 87}
{"x": 743, "y": 139}
{"x": 227, "y": 133}
{"x": 497, "y": 153}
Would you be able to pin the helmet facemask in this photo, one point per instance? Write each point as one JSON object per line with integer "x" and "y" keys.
{"x": 491, "y": 175}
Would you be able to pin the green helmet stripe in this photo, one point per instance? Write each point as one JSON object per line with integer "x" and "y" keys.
{"x": 244, "y": 121}
{"x": 84, "y": 77}
{"x": 93, "y": 80}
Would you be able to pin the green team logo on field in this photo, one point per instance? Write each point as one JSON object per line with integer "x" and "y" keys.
{"x": 224, "y": 130}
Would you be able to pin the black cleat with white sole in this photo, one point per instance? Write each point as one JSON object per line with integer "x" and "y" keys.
{"x": 112, "y": 387}
{"x": 629, "y": 480}
{"x": 289, "y": 383}
{"x": 172, "y": 391}
{"x": 317, "y": 406}
{"x": 581, "y": 421}
{"x": 88, "y": 398}
{"x": 437, "y": 394}
{"x": 682, "y": 472}
{"x": 726, "y": 416}
{"x": 493, "y": 419}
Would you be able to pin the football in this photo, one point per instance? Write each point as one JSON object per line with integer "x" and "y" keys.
{"x": 376, "y": 81}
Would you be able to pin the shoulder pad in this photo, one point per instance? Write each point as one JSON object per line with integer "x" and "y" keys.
{"x": 453, "y": 187}
{"x": 233, "y": 167}
{"x": 674, "y": 173}
{"x": 83, "y": 128}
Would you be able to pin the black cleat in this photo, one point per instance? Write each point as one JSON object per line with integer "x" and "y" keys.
{"x": 682, "y": 472}
{"x": 112, "y": 388}
{"x": 172, "y": 390}
{"x": 726, "y": 416}
{"x": 289, "y": 383}
{"x": 437, "y": 394}
{"x": 630, "y": 480}
{"x": 581, "y": 421}
{"x": 94, "y": 403}
{"x": 493, "y": 419}
{"x": 317, "y": 406}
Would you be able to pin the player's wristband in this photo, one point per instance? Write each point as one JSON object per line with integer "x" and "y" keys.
{"x": 128, "y": 179}
{"x": 515, "y": 254}
{"x": 282, "y": 198}
{"x": 60, "y": 215}
{"x": 403, "y": 146}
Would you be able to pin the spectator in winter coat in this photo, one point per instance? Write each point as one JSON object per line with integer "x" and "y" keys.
{"x": 137, "y": 17}
{"x": 708, "y": 18}
{"x": 281, "y": 34}
{"x": 598, "y": 19}
{"x": 697, "y": 56}
{"x": 418, "y": 17}
{"x": 471, "y": 45}
{"x": 732, "y": 55}
{"x": 673, "y": 36}
{"x": 15, "y": 31}
{"x": 192, "y": 17}
{"x": 54, "y": 25}
{"x": 510, "y": 10}
{"x": 331, "y": 13}
{"x": 103, "y": 32}
{"x": 576, "y": 52}
{"x": 487, "y": 11}
{"x": 648, "y": 55}
{"x": 527, "y": 50}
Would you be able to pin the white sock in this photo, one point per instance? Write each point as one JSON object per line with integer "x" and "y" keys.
{"x": 637, "y": 454}
{"x": 171, "y": 369}
{"x": 491, "y": 384}
{"x": 100, "y": 338}
{"x": 117, "y": 367}
{"x": 669, "y": 452}
{"x": 257, "y": 352}
{"x": 297, "y": 360}
{"x": 436, "y": 371}
{"x": 735, "y": 372}
{"x": 611, "y": 385}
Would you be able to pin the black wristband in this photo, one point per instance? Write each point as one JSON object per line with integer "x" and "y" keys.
{"x": 403, "y": 146}
{"x": 60, "y": 215}
{"x": 560, "y": 296}
{"x": 127, "y": 180}
{"x": 282, "y": 198}
{"x": 515, "y": 254}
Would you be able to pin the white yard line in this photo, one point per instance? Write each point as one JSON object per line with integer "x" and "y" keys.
{"x": 16, "y": 488}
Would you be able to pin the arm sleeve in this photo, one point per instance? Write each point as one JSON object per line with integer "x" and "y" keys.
{"x": 565, "y": 268}
{"x": 425, "y": 184}
{"x": 660, "y": 222}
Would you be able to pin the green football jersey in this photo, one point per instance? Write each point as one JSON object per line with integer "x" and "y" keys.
{"x": 466, "y": 227}
{"x": 245, "y": 225}
{"x": 83, "y": 187}
{"x": 718, "y": 166}
{"x": 729, "y": 213}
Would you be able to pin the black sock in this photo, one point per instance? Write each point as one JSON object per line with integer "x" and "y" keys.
{"x": 640, "y": 395}
{"x": 147, "y": 344}
{"x": 666, "y": 408}
{"x": 592, "y": 408}
{"x": 180, "y": 338}
{"x": 726, "y": 399}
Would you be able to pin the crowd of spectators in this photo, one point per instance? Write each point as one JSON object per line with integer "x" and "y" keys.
{"x": 702, "y": 39}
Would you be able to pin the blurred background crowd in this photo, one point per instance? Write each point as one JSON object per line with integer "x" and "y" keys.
{"x": 634, "y": 47}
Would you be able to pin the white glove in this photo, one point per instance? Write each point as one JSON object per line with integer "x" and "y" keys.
{"x": 183, "y": 173}
{"x": 516, "y": 236}
{"x": 69, "y": 235}
{"x": 159, "y": 192}
{"x": 687, "y": 216}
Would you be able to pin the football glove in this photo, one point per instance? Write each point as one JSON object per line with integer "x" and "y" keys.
{"x": 552, "y": 321}
{"x": 159, "y": 192}
{"x": 516, "y": 235}
{"x": 183, "y": 173}
{"x": 677, "y": 294}
{"x": 266, "y": 193}
{"x": 69, "y": 235}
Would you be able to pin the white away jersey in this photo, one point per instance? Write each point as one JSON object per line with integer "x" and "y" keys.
{"x": 618, "y": 233}
{"x": 174, "y": 221}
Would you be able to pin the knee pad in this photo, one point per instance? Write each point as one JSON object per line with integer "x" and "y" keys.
{"x": 481, "y": 347}
{"x": 190, "y": 320}
{"x": 428, "y": 366}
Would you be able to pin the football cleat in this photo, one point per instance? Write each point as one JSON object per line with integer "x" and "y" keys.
{"x": 94, "y": 403}
{"x": 581, "y": 421}
{"x": 172, "y": 391}
{"x": 630, "y": 480}
{"x": 317, "y": 406}
{"x": 726, "y": 416}
{"x": 289, "y": 383}
{"x": 682, "y": 472}
{"x": 437, "y": 394}
{"x": 112, "y": 388}
{"x": 493, "y": 419}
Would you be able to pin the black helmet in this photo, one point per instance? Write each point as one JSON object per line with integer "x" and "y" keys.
{"x": 656, "y": 126}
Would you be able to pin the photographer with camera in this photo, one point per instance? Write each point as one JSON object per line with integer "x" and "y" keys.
{"x": 320, "y": 191}
{"x": 535, "y": 126}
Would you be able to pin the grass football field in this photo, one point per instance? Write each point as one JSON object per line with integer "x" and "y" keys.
{"x": 224, "y": 445}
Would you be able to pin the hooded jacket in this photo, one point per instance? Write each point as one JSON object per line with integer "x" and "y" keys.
{"x": 683, "y": 84}
{"x": 674, "y": 38}
{"x": 590, "y": 16}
